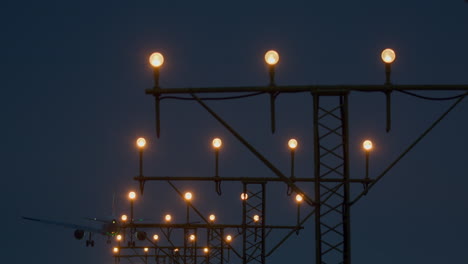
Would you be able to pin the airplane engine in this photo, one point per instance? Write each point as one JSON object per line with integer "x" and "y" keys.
{"x": 79, "y": 234}
{"x": 141, "y": 235}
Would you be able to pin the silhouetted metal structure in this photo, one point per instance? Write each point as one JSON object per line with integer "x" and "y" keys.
{"x": 330, "y": 200}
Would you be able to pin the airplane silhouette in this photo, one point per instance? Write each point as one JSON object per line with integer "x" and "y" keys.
{"x": 109, "y": 228}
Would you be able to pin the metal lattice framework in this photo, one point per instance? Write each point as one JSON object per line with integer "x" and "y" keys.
{"x": 331, "y": 197}
{"x": 253, "y": 214}
{"x": 330, "y": 201}
{"x": 331, "y": 161}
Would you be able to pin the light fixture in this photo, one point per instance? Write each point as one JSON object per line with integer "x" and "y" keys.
{"x": 212, "y": 217}
{"x": 388, "y": 55}
{"x": 141, "y": 143}
{"x": 124, "y": 217}
{"x": 367, "y": 145}
{"x": 188, "y": 196}
{"x": 292, "y": 144}
{"x": 271, "y": 57}
{"x": 299, "y": 198}
{"x": 156, "y": 59}
{"x": 244, "y": 196}
{"x": 168, "y": 218}
{"x": 132, "y": 195}
{"x": 217, "y": 142}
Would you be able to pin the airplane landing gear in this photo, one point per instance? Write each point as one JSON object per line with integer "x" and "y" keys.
{"x": 90, "y": 241}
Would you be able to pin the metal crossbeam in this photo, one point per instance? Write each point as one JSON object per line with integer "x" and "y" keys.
{"x": 322, "y": 89}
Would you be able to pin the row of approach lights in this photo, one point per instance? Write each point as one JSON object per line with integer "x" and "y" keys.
{"x": 292, "y": 144}
{"x": 272, "y": 58}
{"x": 217, "y": 143}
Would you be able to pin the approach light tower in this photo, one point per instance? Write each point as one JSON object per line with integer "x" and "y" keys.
{"x": 331, "y": 196}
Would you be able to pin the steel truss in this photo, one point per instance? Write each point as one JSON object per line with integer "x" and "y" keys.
{"x": 332, "y": 229}
{"x": 331, "y": 197}
{"x": 253, "y": 213}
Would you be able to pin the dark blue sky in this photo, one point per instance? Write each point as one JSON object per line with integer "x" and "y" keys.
{"x": 73, "y": 103}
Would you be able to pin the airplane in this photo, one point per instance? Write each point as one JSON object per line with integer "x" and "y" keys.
{"x": 110, "y": 228}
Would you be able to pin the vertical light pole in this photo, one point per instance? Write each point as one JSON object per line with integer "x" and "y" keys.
{"x": 193, "y": 247}
{"x": 272, "y": 58}
{"x": 131, "y": 196}
{"x": 141, "y": 144}
{"x": 156, "y": 60}
{"x": 299, "y": 200}
{"x": 217, "y": 143}
{"x": 188, "y": 198}
{"x": 116, "y": 250}
{"x": 388, "y": 57}
{"x": 168, "y": 219}
{"x": 155, "y": 239}
{"x": 367, "y": 146}
{"x": 146, "y": 254}
{"x": 228, "y": 241}
{"x": 206, "y": 250}
{"x": 292, "y": 144}
{"x": 119, "y": 239}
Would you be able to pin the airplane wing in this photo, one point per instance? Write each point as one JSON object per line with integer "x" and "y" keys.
{"x": 67, "y": 225}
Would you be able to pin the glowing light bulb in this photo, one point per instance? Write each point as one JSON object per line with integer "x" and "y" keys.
{"x": 244, "y": 196}
{"x": 217, "y": 143}
{"x": 119, "y": 237}
{"x": 206, "y": 250}
{"x": 192, "y": 237}
{"x": 388, "y": 55}
{"x": 271, "y": 57}
{"x": 212, "y": 217}
{"x": 299, "y": 198}
{"x": 292, "y": 143}
{"x": 256, "y": 218}
{"x": 367, "y": 145}
{"x": 124, "y": 217}
{"x": 116, "y": 250}
{"x": 168, "y": 218}
{"x": 146, "y": 249}
{"x": 132, "y": 195}
{"x": 228, "y": 238}
{"x": 156, "y": 59}
{"x": 155, "y": 237}
{"x": 188, "y": 196}
{"x": 141, "y": 142}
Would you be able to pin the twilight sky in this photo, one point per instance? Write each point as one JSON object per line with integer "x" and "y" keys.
{"x": 73, "y": 103}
